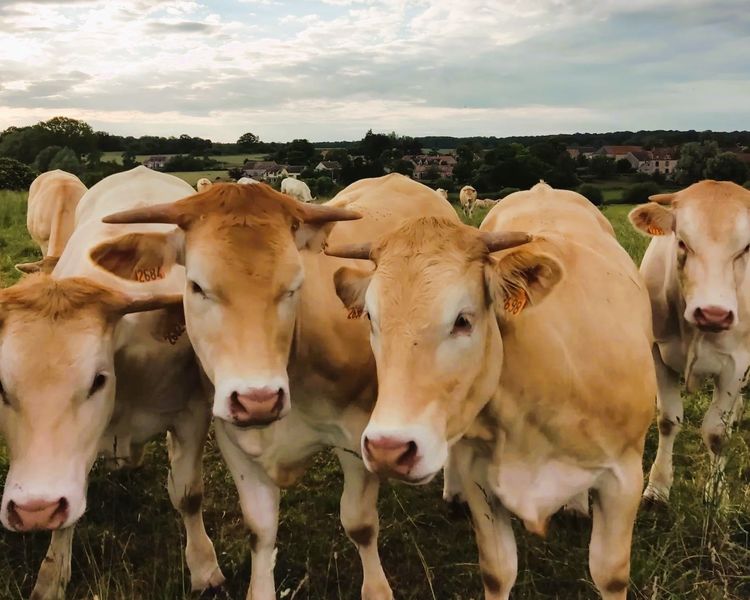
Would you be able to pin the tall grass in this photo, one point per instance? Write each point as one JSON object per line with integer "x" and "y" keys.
{"x": 129, "y": 543}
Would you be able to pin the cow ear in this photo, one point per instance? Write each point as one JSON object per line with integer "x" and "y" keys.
{"x": 311, "y": 236}
{"x": 351, "y": 287}
{"x": 652, "y": 219}
{"x": 141, "y": 256}
{"x": 521, "y": 279}
{"x": 45, "y": 265}
{"x": 315, "y": 222}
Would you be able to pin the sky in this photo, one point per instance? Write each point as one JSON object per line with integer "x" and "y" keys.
{"x": 330, "y": 70}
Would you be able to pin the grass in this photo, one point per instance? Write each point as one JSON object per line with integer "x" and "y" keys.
{"x": 228, "y": 160}
{"x": 129, "y": 543}
{"x": 192, "y": 177}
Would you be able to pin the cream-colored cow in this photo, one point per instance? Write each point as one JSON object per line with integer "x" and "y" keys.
{"x": 442, "y": 192}
{"x": 50, "y": 216}
{"x": 203, "y": 184}
{"x": 466, "y": 197}
{"x": 262, "y": 313}
{"x": 533, "y": 366}
{"x": 78, "y": 377}
{"x": 697, "y": 271}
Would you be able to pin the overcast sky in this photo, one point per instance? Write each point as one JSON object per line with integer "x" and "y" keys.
{"x": 331, "y": 69}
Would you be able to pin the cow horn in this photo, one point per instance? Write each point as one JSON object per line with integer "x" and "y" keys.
{"x": 500, "y": 240}
{"x": 159, "y": 213}
{"x": 662, "y": 198}
{"x": 322, "y": 213}
{"x": 360, "y": 251}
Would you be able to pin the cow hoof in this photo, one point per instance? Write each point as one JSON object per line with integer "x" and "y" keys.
{"x": 653, "y": 501}
{"x": 214, "y": 585}
{"x": 218, "y": 592}
{"x": 458, "y": 509}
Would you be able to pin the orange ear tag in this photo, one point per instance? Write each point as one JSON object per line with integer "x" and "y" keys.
{"x": 515, "y": 304}
{"x": 355, "y": 313}
{"x": 654, "y": 230}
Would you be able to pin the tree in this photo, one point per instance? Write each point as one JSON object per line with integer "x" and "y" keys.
{"x": 14, "y": 175}
{"x": 247, "y": 141}
{"x": 623, "y": 166}
{"x": 66, "y": 160}
{"x": 726, "y": 167}
{"x": 602, "y": 167}
{"x": 63, "y": 131}
{"x": 128, "y": 159}
{"x": 373, "y": 144}
{"x": 45, "y": 156}
{"x": 324, "y": 186}
{"x": 639, "y": 192}
{"x": 592, "y": 193}
{"x": 694, "y": 156}
{"x": 298, "y": 152}
{"x": 405, "y": 167}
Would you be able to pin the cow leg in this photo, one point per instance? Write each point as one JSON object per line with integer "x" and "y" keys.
{"x": 614, "y": 509}
{"x": 359, "y": 516}
{"x": 259, "y": 500}
{"x": 185, "y": 444}
{"x": 498, "y": 559}
{"x": 452, "y": 489}
{"x": 578, "y": 505}
{"x": 669, "y": 404}
{"x": 723, "y": 412}
{"x": 54, "y": 573}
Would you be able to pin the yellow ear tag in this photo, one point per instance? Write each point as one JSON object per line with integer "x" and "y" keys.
{"x": 143, "y": 275}
{"x": 515, "y": 304}
{"x": 654, "y": 230}
{"x": 355, "y": 313}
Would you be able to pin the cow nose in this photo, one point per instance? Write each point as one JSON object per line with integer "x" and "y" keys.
{"x": 38, "y": 514}
{"x": 713, "y": 318}
{"x": 390, "y": 456}
{"x": 256, "y": 406}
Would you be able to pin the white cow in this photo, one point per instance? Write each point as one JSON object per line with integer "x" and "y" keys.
{"x": 467, "y": 196}
{"x": 442, "y": 192}
{"x": 80, "y": 378}
{"x": 203, "y": 184}
{"x": 247, "y": 181}
{"x": 53, "y": 197}
{"x": 296, "y": 189}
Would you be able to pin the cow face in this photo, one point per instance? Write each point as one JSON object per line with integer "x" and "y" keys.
{"x": 708, "y": 228}
{"x": 244, "y": 273}
{"x": 434, "y": 301}
{"x": 57, "y": 386}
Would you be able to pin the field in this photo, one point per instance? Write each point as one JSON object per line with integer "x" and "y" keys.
{"x": 229, "y": 160}
{"x": 129, "y": 544}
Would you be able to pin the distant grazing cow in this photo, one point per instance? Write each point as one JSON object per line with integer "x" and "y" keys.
{"x": 264, "y": 318}
{"x": 697, "y": 269}
{"x": 247, "y": 181}
{"x": 442, "y": 192}
{"x": 466, "y": 197}
{"x": 484, "y": 203}
{"x": 203, "y": 184}
{"x": 296, "y": 189}
{"x": 534, "y": 364}
{"x": 82, "y": 375}
{"x": 50, "y": 217}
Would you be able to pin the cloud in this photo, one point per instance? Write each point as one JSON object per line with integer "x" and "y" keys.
{"x": 328, "y": 69}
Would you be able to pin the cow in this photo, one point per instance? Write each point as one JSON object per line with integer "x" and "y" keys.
{"x": 532, "y": 366}
{"x": 261, "y": 311}
{"x": 81, "y": 376}
{"x": 467, "y": 196}
{"x": 442, "y": 192}
{"x": 484, "y": 203}
{"x": 696, "y": 269}
{"x": 296, "y": 189}
{"x": 50, "y": 216}
{"x": 203, "y": 184}
{"x": 246, "y": 181}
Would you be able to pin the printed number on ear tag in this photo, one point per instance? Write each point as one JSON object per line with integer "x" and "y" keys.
{"x": 355, "y": 313}
{"x": 143, "y": 275}
{"x": 654, "y": 230}
{"x": 515, "y": 304}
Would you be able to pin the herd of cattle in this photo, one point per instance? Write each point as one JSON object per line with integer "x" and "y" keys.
{"x": 522, "y": 358}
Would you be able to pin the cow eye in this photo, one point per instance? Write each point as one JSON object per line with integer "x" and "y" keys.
{"x": 196, "y": 289}
{"x": 99, "y": 380}
{"x": 682, "y": 245}
{"x": 462, "y": 325}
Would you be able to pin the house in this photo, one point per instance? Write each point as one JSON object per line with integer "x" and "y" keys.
{"x": 576, "y": 151}
{"x": 616, "y": 152}
{"x": 658, "y": 160}
{"x": 263, "y": 170}
{"x": 329, "y": 167}
{"x": 293, "y": 171}
{"x": 424, "y": 165}
{"x": 155, "y": 162}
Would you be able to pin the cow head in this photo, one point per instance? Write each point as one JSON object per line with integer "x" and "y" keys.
{"x": 708, "y": 228}
{"x": 57, "y": 389}
{"x": 435, "y": 302}
{"x": 240, "y": 249}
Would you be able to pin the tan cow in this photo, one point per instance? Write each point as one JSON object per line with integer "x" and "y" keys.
{"x": 466, "y": 197}
{"x": 203, "y": 184}
{"x": 442, "y": 192}
{"x": 262, "y": 313}
{"x": 50, "y": 216}
{"x": 78, "y": 377}
{"x": 533, "y": 366}
{"x": 696, "y": 269}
